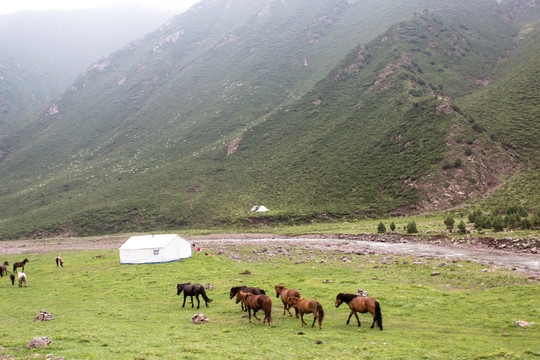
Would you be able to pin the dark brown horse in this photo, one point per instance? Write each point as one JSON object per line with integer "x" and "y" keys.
{"x": 361, "y": 304}
{"x": 3, "y": 269}
{"x": 285, "y": 294}
{"x": 192, "y": 290}
{"x": 20, "y": 265}
{"x": 256, "y": 303}
{"x": 59, "y": 262}
{"x": 251, "y": 290}
{"x": 304, "y": 306}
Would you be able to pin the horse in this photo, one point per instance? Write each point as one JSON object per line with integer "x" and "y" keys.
{"x": 285, "y": 294}
{"x": 59, "y": 262}
{"x": 255, "y": 303}
{"x": 22, "y": 279}
{"x": 12, "y": 278}
{"x": 20, "y": 265}
{"x": 304, "y": 306}
{"x": 3, "y": 269}
{"x": 251, "y": 290}
{"x": 192, "y": 290}
{"x": 361, "y": 304}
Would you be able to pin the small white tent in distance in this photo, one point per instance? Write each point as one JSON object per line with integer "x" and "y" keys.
{"x": 151, "y": 249}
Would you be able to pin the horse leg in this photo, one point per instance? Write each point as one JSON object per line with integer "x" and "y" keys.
{"x": 249, "y": 314}
{"x": 314, "y": 318}
{"x": 255, "y": 315}
{"x": 198, "y": 301}
{"x": 357, "y": 319}
{"x": 184, "y": 304}
{"x": 349, "y": 319}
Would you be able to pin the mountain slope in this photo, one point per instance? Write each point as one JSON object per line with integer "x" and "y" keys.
{"x": 41, "y": 53}
{"x": 221, "y": 109}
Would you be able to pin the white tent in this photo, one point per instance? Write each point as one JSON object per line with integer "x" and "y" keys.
{"x": 150, "y": 249}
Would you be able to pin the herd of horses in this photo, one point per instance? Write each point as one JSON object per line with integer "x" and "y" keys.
{"x": 253, "y": 299}
{"x": 21, "y": 276}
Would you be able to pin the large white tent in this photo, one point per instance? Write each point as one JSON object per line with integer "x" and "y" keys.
{"x": 150, "y": 249}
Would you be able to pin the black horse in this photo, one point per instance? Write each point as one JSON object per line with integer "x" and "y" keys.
{"x": 249, "y": 290}
{"x": 192, "y": 290}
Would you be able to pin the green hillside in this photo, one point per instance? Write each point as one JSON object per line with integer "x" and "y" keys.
{"x": 42, "y": 52}
{"x": 308, "y": 108}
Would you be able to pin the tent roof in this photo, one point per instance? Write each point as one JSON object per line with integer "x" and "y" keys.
{"x": 149, "y": 241}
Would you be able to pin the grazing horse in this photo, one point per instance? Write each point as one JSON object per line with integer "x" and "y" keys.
{"x": 59, "y": 262}
{"x": 255, "y": 303}
{"x": 285, "y": 294}
{"x": 251, "y": 290}
{"x": 20, "y": 265}
{"x": 12, "y": 278}
{"x": 3, "y": 269}
{"x": 361, "y": 304}
{"x": 22, "y": 279}
{"x": 192, "y": 290}
{"x": 304, "y": 306}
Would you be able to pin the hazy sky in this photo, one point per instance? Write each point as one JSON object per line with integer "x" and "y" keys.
{"x": 11, "y": 6}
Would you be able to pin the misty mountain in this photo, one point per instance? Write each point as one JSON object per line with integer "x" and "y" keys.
{"x": 41, "y": 53}
{"x": 318, "y": 110}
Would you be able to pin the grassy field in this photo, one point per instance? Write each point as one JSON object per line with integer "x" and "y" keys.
{"x": 104, "y": 310}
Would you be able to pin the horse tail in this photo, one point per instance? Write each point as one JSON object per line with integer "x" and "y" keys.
{"x": 268, "y": 309}
{"x": 378, "y": 315}
{"x": 206, "y": 298}
{"x": 320, "y": 312}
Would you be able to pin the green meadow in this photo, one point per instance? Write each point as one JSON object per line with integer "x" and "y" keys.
{"x": 105, "y": 310}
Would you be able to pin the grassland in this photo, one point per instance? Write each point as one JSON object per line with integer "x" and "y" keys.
{"x": 104, "y": 310}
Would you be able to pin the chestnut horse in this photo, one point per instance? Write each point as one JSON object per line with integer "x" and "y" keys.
{"x": 3, "y": 269}
{"x": 251, "y": 290}
{"x": 256, "y": 303}
{"x": 361, "y": 304}
{"x": 285, "y": 294}
{"x": 192, "y": 290}
{"x": 304, "y": 306}
{"x": 20, "y": 265}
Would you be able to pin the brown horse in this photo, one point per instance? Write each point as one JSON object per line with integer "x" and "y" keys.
{"x": 256, "y": 303}
{"x": 361, "y": 304}
{"x": 20, "y": 265}
{"x": 251, "y": 290}
{"x": 304, "y": 306}
{"x": 285, "y": 294}
{"x": 3, "y": 269}
{"x": 59, "y": 262}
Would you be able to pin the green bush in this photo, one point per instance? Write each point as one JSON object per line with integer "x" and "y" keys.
{"x": 411, "y": 228}
{"x": 449, "y": 222}
{"x": 381, "y": 229}
{"x": 462, "y": 228}
{"x": 392, "y": 226}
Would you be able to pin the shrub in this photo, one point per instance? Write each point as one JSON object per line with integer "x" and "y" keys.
{"x": 411, "y": 228}
{"x": 462, "y": 228}
{"x": 497, "y": 222}
{"x": 392, "y": 226}
{"x": 381, "y": 229}
{"x": 449, "y": 222}
{"x": 468, "y": 151}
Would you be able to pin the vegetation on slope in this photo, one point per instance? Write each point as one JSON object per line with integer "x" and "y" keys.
{"x": 144, "y": 139}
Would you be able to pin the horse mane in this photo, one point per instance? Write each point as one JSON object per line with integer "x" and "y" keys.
{"x": 346, "y": 297}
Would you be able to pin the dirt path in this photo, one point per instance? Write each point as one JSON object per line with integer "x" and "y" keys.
{"x": 486, "y": 250}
